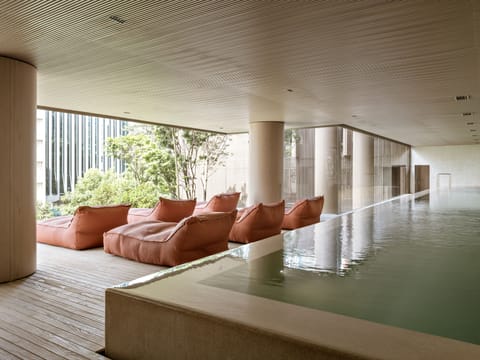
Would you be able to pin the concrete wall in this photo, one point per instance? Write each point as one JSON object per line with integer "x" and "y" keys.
{"x": 455, "y": 165}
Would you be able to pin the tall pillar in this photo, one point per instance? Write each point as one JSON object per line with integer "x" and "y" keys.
{"x": 18, "y": 101}
{"x": 363, "y": 170}
{"x": 266, "y": 162}
{"x": 327, "y": 167}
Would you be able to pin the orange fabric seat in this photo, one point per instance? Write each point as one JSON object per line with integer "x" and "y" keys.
{"x": 303, "y": 212}
{"x": 226, "y": 202}
{"x": 84, "y": 229}
{"x": 258, "y": 222}
{"x": 168, "y": 243}
{"x": 165, "y": 210}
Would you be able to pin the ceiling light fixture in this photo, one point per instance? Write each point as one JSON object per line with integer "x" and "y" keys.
{"x": 467, "y": 114}
{"x": 470, "y": 123}
{"x": 473, "y": 130}
{"x": 117, "y": 19}
{"x": 290, "y": 90}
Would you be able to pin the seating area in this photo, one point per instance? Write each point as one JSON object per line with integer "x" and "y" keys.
{"x": 258, "y": 222}
{"x": 170, "y": 243}
{"x": 175, "y": 231}
{"x": 84, "y": 229}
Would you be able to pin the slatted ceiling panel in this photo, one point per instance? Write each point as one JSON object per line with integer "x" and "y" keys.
{"x": 198, "y": 63}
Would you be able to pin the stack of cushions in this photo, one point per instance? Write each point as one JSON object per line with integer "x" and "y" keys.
{"x": 258, "y": 222}
{"x": 303, "y": 212}
{"x": 84, "y": 229}
{"x": 169, "y": 243}
{"x": 219, "y": 203}
{"x": 165, "y": 210}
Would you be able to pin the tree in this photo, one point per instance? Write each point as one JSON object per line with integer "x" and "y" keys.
{"x": 214, "y": 152}
{"x": 193, "y": 150}
{"x": 145, "y": 160}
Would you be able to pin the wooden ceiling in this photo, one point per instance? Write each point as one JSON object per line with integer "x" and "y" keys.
{"x": 388, "y": 67}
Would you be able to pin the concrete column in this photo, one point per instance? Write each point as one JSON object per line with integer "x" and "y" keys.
{"x": 18, "y": 101}
{"x": 327, "y": 167}
{"x": 266, "y": 162}
{"x": 363, "y": 170}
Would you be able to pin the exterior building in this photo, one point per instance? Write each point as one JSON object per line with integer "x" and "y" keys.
{"x": 70, "y": 144}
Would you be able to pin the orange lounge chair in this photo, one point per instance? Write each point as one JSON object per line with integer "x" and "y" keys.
{"x": 84, "y": 229}
{"x": 168, "y": 243}
{"x": 226, "y": 202}
{"x": 258, "y": 222}
{"x": 303, "y": 212}
{"x": 165, "y": 210}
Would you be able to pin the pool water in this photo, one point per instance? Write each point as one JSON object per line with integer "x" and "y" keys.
{"x": 410, "y": 263}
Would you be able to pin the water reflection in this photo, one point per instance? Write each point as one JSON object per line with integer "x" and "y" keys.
{"x": 412, "y": 264}
{"x": 331, "y": 247}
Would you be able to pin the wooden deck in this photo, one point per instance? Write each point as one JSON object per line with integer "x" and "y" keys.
{"x": 58, "y": 312}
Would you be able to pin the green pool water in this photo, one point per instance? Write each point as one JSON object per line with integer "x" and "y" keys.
{"x": 413, "y": 264}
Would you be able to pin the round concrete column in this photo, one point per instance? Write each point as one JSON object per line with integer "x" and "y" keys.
{"x": 18, "y": 101}
{"x": 362, "y": 170}
{"x": 327, "y": 167}
{"x": 266, "y": 162}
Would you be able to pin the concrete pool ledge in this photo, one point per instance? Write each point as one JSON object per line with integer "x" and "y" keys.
{"x": 176, "y": 317}
{"x": 180, "y": 314}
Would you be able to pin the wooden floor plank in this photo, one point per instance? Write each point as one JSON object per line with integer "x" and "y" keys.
{"x": 58, "y": 312}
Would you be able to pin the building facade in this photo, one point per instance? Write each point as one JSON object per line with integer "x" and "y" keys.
{"x": 70, "y": 144}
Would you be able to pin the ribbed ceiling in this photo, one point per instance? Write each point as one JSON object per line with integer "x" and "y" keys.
{"x": 395, "y": 65}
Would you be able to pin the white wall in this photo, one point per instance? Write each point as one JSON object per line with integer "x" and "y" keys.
{"x": 462, "y": 162}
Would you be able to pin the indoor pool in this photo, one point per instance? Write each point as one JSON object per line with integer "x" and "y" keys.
{"x": 413, "y": 264}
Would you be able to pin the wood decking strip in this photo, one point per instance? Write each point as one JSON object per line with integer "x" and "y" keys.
{"x": 58, "y": 312}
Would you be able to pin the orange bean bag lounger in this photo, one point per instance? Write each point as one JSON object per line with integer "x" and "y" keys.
{"x": 222, "y": 202}
{"x": 84, "y": 229}
{"x": 165, "y": 210}
{"x": 258, "y": 222}
{"x": 303, "y": 212}
{"x": 170, "y": 244}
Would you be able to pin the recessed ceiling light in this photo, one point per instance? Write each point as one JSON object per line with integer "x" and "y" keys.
{"x": 117, "y": 19}
{"x": 470, "y": 123}
{"x": 290, "y": 90}
{"x": 354, "y": 116}
{"x": 473, "y": 130}
{"x": 467, "y": 114}
{"x": 126, "y": 112}
{"x": 463, "y": 97}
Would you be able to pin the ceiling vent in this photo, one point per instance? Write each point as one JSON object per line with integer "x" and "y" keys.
{"x": 463, "y": 97}
{"x": 117, "y": 19}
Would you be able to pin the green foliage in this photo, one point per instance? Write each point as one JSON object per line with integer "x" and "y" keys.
{"x": 146, "y": 161}
{"x": 46, "y": 210}
{"x": 160, "y": 161}
{"x": 96, "y": 188}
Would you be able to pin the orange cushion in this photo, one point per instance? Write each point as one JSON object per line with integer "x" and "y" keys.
{"x": 165, "y": 210}
{"x": 84, "y": 229}
{"x": 304, "y": 212}
{"x": 166, "y": 243}
{"x": 222, "y": 203}
{"x": 258, "y": 222}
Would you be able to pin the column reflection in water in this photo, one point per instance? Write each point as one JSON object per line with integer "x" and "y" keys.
{"x": 362, "y": 235}
{"x": 355, "y": 239}
{"x": 326, "y": 249}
